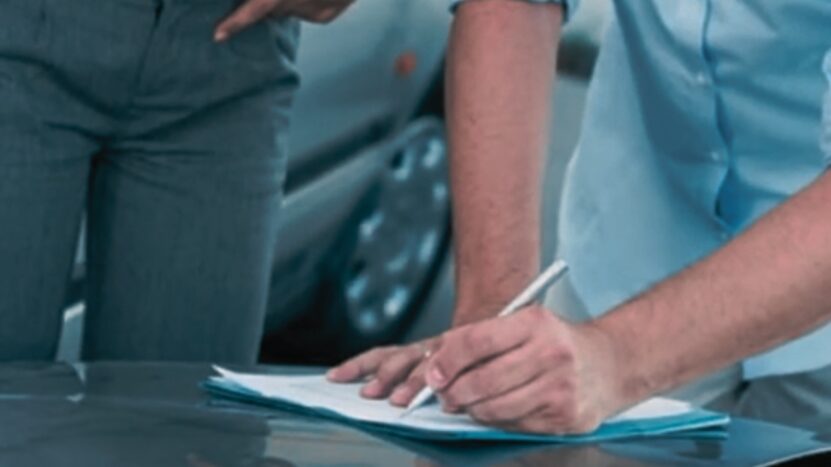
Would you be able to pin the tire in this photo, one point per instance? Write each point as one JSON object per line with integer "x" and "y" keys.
{"x": 382, "y": 266}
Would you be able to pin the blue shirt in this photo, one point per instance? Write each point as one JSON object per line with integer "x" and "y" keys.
{"x": 701, "y": 117}
{"x": 826, "y": 126}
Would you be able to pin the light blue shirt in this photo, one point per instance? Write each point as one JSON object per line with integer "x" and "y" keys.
{"x": 826, "y": 125}
{"x": 702, "y": 116}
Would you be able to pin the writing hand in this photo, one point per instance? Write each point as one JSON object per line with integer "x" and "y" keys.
{"x": 529, "y": 372}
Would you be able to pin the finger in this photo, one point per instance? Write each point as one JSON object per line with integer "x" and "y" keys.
{"x": 498, "y": 376}
{"x": 247, "y": 14}
{"x": 513, "y": 406}
{"x": 354, "y": 369}
{"x": 395, "y": 368}
{"x": 473, "y": 344}
{"x": 316, "y": 14}
{"x": 406, "y": 391}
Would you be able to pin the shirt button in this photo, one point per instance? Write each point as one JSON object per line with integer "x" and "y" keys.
{"x": 716, "y": 156}
{"x": 702, "y": 79}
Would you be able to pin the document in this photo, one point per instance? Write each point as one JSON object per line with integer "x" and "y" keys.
{"x": 342, "y": 402}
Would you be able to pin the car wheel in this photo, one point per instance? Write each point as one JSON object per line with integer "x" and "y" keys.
{"x": 381, "y": 268}
{"x": 399, "y": 244}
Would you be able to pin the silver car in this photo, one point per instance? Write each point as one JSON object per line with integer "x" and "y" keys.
{"x": 366, "y": 220}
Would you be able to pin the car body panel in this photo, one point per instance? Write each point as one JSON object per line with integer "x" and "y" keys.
{"x": 346, "y": 77}
{"x": 350, "y": 107}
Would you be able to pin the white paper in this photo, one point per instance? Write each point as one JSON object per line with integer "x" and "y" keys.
{"x": 317, "y": 392}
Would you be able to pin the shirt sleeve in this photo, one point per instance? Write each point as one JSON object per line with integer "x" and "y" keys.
{"x": 825, "y": 140}
{"x": 569, "y": 6}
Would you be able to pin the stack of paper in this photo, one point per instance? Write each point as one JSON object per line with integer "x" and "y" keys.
{"x": 342, "y": 402}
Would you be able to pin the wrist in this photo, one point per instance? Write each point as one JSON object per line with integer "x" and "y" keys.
{"x": 632, "y": 378}
{"x": 485, "y": 299}
{"x": 472, "y": 312}
{"x": 625, "y": 384}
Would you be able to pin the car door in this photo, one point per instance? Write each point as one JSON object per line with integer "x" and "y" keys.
{"x": 346, "y": 85}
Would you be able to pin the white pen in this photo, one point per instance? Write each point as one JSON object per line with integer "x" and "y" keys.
{"x": 525, "y": 298}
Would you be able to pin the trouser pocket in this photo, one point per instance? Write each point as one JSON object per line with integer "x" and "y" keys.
{"x": 267, "y": 41}
{"x": 23, "y": 38}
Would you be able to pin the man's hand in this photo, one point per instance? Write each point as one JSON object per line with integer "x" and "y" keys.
{"x": 528, "y": 372}
{"x": 396, "y": 372}
{"x": 253, "y": 11}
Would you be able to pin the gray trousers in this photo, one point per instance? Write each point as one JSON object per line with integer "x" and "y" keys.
{"x": 172, "y": 145}
{"x": 801, "y": 400}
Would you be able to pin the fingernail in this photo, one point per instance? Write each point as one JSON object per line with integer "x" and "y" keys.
{"x": 332, "y": 374}
{"x": 220, "y": 36}
{"x": 436, "y": 378}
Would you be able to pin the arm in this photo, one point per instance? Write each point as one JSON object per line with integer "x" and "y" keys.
{"x": 499, "y": 79}
{"x": 767, "y": 286}
{"x": 500, "y": 76}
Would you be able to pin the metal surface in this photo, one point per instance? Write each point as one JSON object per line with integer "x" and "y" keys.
{"x": 155, "y": 415}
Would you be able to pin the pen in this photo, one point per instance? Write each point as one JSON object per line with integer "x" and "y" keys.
{"x": 525, "y": 298}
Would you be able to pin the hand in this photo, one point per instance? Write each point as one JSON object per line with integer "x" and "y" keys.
{"x": 528, "y": 372}
{"x": 395, "y": 372}
{"x": 253, "y": 11}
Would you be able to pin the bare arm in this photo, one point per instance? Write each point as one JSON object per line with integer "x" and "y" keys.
{"x": 500, "y": 76}
{"x": 499, "y": 80}
{"x": 767, "y": 286}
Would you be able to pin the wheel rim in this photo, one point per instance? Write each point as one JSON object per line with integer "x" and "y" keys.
{"x": 398, "y": 242}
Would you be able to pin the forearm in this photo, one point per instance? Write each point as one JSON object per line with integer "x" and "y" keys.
{"x": 500, "y": 76}
{"x": 769, "y": 285}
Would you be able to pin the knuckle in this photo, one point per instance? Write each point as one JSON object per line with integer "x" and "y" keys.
{"x": 548, "y": 351}
{"x": 385, "y": 375}
{"x": 380, "y": 352}
{"x": 469, "y": 340}
{"x": 476, "y": 340}
{"x": 568, "y": 388}
{"x": 414, "y": 383}
{"x": 416, "y": 350}
{"x": 391, "y": 369}
{"x": 558, "y": 352}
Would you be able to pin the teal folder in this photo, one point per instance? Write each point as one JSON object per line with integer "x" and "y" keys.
{"x": 313, "y": 395}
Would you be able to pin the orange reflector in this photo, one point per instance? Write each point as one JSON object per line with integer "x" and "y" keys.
{"x": 406, "y": 64}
